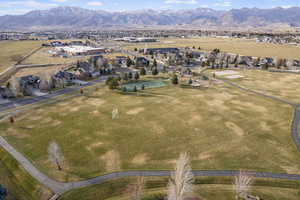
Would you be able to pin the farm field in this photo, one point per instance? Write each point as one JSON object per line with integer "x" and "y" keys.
{"x": 18, "y": 183}
{"x": 205, "y": 188}
{"x": 283, "y": 85}
{"x": 229, "y": 45}
{"x": 11, "y": 49}
{"x": 221, "y": 127}
{"x": 43, "y": 57}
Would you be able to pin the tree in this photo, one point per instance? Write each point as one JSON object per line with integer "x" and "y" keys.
{"x": 136, "y": 190}
{"x": 113, "y": 84}
{"x": 143, "y": 71}
{"x": 190, "y": 82}
{"x": 181, "y": 181}
{"x": 124, "y": 89}
{"x": 15, "y": 87}
{"x": 143, "y": 87}
{"x": 3, "y": 192}
{"x": 129, "y": 62}
{"x": 154, "y": 63}
{"x": 55, "y": 155}
{"x": 136, "y": 76}
{"x": 242, "y": 185}
{"x": 175, "y": 79}
{"x": 130, "y": 76}
{"x": 135, "y": 49}
{"x": 155, "y": 71}
{"x": 135, "y": 89}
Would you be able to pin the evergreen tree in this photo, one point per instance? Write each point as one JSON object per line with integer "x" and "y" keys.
{"x": 143, "y": 87}
{"x": 142, "y": 71}
{"x": 190, "y": 81}
{"x": 154, "y": 63}
{"x": 129, "y": 62}
{"x": 136, "y": 76}
{"x": 155, "y": 71}
{"x": 130, "y": 76}
{"x": 134, "y": 89}
{"x": 125, "y": 77}
{"x": 175, "y": 79}
{"x": 124, "y": 89}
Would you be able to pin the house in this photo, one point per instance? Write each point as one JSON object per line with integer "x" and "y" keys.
{"x": 6, "y": 93}
{"x": 28, "y": 84}
{"x": 152, "y": 51}
{"x": 120, "y": 60}
{"x": 141, "y": 62}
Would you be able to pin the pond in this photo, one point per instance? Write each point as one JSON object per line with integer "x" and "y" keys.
{"x": 147, "y": 84}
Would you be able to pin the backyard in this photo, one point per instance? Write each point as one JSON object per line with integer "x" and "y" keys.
{"x": 221, "y": 127}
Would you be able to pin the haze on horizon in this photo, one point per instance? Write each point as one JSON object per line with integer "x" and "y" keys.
{"x": 14, "y": 7}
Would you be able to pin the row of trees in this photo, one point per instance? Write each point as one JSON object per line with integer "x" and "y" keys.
{"x": 181, "y": 182}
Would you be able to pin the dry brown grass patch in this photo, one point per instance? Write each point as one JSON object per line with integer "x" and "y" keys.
{"x": 112, "y": 161}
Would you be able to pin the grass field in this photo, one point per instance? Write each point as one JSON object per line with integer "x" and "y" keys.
{"x": 238, "y": 46}
{"x": 282, "y": 85}
{"x": 43, "y": 57}
{"x": 18, "y": 183}
{"x": 205, "y": 188}
{"x": 221, "y": 127}
{"x": 9, "y": 49}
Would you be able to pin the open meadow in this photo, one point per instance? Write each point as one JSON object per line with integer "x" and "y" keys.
{"x": 229, "y": 45}
{"x": 283, "y": 85}
{"x": 221, "y": 127}
{"x": 13, "y": 50}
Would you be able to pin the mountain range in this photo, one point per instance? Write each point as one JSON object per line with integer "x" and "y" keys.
{"x": 80, "y": 18}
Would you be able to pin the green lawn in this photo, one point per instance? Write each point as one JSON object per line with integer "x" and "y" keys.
{"x": 19, "y": 184}
{"x": 221, "y": 127}
{"x": 205, "y": 188}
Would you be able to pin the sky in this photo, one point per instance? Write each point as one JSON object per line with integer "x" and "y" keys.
{"x": 23, "y": 6}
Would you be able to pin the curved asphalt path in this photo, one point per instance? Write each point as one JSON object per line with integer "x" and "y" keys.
{"x": 60, "y": 188}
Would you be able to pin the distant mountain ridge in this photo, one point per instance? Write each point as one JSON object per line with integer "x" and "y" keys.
{"x": 78, "y": 18}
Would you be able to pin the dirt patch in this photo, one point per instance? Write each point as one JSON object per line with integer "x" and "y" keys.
{"x": 140, "y": 159}
{"x": 56, "y": 123}
{"x": 112, "y": 160}
{"x": 204, "y": 156}
{"x": 250, "y": 106}
{"x": 94, "y": 145}
{"x": 95, "y": 102}
{"x": 265, "y": 126}
{"x": 135, "y": 111}
{"x": 235, "y": 128}
{"x": 157, "y": 128}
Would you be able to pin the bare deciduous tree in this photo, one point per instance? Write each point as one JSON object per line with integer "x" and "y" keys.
{"x": 136, "y": 190}
{"x": 181, "y": 182}
{"x": 115, "y": 113}
{"x": 55, "y": 155}
{"x": 242, "y": 184}
{"x": 14, "y": 85}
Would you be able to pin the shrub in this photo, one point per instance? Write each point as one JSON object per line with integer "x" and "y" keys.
{"x": 154, "y": 197}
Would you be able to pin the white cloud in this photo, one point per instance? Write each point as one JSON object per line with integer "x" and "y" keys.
{"x": 27, "y": 4}
{"x": 59, "y": 1}
{"x": 95, "y": 3}
{"x": 181, "y": 1}
{"x": 223, "y": 4}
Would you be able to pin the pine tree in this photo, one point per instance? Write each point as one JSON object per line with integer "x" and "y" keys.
{"x": 136, "y": 76}
{"x": 143, "y": 87}
{"x": 175, "y": 79}
{"x": 134, "y": 89}
{"x": 130, "y": 76}
{"x": 155, "y": 71}
{"x": 143, "y": 71}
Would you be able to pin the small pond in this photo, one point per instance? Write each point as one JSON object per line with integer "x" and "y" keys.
{"x": 147, "y": 84}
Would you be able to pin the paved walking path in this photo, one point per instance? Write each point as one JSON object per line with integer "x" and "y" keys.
{"x": 60, "y": 188}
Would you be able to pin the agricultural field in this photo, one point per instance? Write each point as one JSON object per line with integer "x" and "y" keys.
{"x": 221, "y": 127}
{"x": 205, "y": 188}
{"x": 229, "y": 45}
{"x": 13, "y": 50}
{"x": 18, "y": 183}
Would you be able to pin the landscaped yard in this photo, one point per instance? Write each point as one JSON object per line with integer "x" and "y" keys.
{"x": 229, "y": 45}
{"x": 221, "y": 127}
{"x": 11, "y": 49}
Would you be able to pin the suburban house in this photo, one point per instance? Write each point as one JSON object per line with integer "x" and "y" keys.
{"x": 141, "y": 62}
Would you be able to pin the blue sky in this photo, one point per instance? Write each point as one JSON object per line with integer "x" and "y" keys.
{"x": 23, "y": 6}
